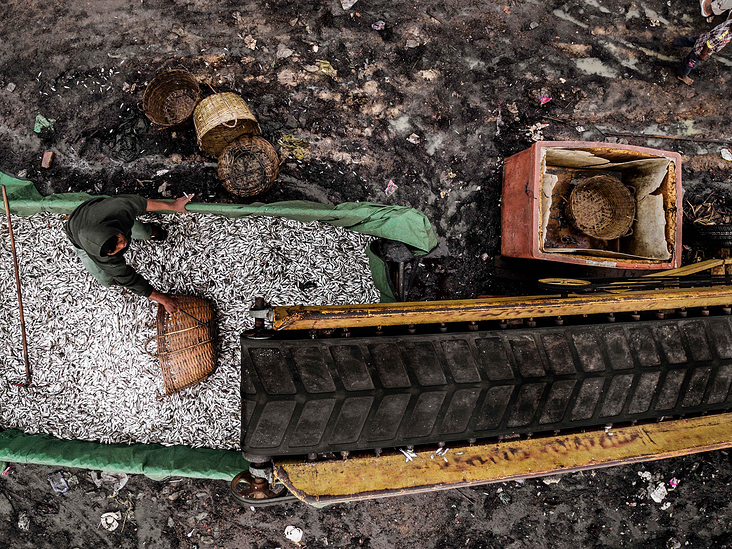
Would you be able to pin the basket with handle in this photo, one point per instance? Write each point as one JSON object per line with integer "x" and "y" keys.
{"x": 249, "y": 166}
{"x": 185, "y": 343}
{"x": 602, "y": 207}
{"x": 220, "y": 119}
{"x": 171, "y": 97}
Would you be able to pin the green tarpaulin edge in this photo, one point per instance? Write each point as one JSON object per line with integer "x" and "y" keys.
{"x": 152, "y": 460}
{"x": 393, "y": 222}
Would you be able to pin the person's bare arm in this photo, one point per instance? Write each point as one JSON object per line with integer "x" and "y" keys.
{"x": 167, "y": 301}
{"x": 178, "y": 205}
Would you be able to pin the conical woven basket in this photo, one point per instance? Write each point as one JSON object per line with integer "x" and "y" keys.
{"x": 249, "y": 166}
{"x": 220, "y": 119}
{"x": 186, "y": 343}
{"x": 602, "y": 207}
{"x": 171, "y": 97}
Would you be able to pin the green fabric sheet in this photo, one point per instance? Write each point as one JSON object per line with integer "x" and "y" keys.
{"x": 398, "y": 223}
{"x": 393, "y": 222}
{"x": 152, "y": 460}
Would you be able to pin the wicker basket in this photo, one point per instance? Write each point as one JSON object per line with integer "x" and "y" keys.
{"x": 185, "y": 344}
{"x": 249, "y": 166}
{"x": 171, "y": 97}
{"x": 602, "y": 207}
{"x": 220, "y": 119}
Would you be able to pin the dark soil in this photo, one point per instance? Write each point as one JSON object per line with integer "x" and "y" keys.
{"x": 466, "y": 78}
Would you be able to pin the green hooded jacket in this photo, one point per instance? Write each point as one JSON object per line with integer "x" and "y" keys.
{"x": 96, "y": 221}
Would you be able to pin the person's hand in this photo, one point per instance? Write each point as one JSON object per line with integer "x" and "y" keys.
{"x": 168, "y": 301}
{"x": 180, "y": 203}
{"x": 704, "y": 53}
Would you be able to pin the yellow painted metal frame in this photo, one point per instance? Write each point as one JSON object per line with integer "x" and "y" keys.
{"x": 501, "y": 308}
{"x": 321, "y": 483}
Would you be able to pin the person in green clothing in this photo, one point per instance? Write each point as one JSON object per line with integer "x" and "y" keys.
{"x": 100, "y": 230}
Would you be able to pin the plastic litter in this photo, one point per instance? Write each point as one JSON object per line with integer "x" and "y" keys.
{"x": 413, "y": 138}
{"x": 58, "y": 482}
{"x": 118, "y": 480}
{"x": 43, "y": 124}
{"x": 23, "y": 522}
{"x": 348, "y": 4}
{"x": 11, "y": 87}
{"x": 379, "y": 25}
{"x": 551, "y": 480}
{"x": 110, "y": 521}
{"x": 658, "y": 493}
{"x": 727, "y": 155}
{"x": 505, "y": 498}
{"x": 293, "y": 533}
{"x": 665, "y": 506}
{"x": 674, "y": 482}
{"x": 326, "y": 68}
{"x": 544, "y": 100}
{"x": 390, "y": 188}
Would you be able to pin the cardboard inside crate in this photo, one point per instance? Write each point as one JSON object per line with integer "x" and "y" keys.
{"x": 653, "y": 178}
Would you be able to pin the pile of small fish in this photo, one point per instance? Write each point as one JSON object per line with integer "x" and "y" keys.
{"x": 92, "y": 379}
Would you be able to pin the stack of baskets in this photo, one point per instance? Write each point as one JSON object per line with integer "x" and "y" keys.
{"x": 185, "y": 343}
{"x": 225, "y": 128}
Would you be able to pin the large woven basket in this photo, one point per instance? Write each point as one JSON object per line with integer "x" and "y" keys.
{"x": 602, "y": 207}
{"x": 220, "y": 119}
{"x": 249, "y": 166}
{"x": 185, "y": 342}
{"x": 171, "y": 97}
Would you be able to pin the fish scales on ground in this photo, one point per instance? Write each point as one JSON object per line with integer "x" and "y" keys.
{"x": 95, "y": 380}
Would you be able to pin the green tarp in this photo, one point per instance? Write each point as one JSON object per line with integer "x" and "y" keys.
{"x": 393, "y": 222}
{"x": 152, "y": 460}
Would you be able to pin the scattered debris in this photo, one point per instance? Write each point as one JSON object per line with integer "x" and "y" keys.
{"x": 673, "y": 543}
{"x": 390, "y": 188}
{"x": 250, "y": 42}
{"x": 348, "y": 4}
{"x": 293, "y": 533}
{"x": 484, "y": 256}
{"x": 110, "y": 521}
{"x": 413, "y": 138}
{"x": 665, "y": 506}
{"x": 7, "y": 470}
{"x": 674, "y": 482}
{"x": 727, "y": 155}
{"x": 535, "y": 132}
{"x": 47, "y": 159}
{"x": 658, "y": 493}
{"x": 326, "y": 68}
{"x": 504, "y": 497}
{"x": 22, "y": 174}
{"x": 43, "y": 124}
{"x": 58, "y": 482}
{"x": 23, "y": 522}
{"x": 118, "y": 480}
{"x": 645, "y": 475}
{"x": 580, "y": 129}
{"x": 533, "y": 25}
{"x": 551, "y": 480}
{"x": 10, "y": 87}
{"x": 296, "y": 146}
{"x": 544, "y": 100}
{"x": 444, "y": 193}
{"x": 283, "y": 52}
{"x": 440, "y": 452}
{"x": 379, "y": 25}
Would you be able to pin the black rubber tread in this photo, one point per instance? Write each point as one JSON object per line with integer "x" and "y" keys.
{"x": 720, "y": 235}
{"x": 330, "y": 395}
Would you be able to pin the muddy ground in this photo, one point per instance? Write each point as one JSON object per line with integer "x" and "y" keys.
{"x": 465, "y": 78}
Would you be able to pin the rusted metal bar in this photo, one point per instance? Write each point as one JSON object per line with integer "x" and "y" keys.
{"x": 20, "y": 296}
{"x": 503, "y": 308}
{"x": 359, "y": 478}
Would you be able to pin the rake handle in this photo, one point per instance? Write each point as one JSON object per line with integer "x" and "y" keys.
{"x": 17, "y": 285}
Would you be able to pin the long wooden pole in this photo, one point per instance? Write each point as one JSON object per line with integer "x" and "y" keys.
{"x": 20, "y": 297}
